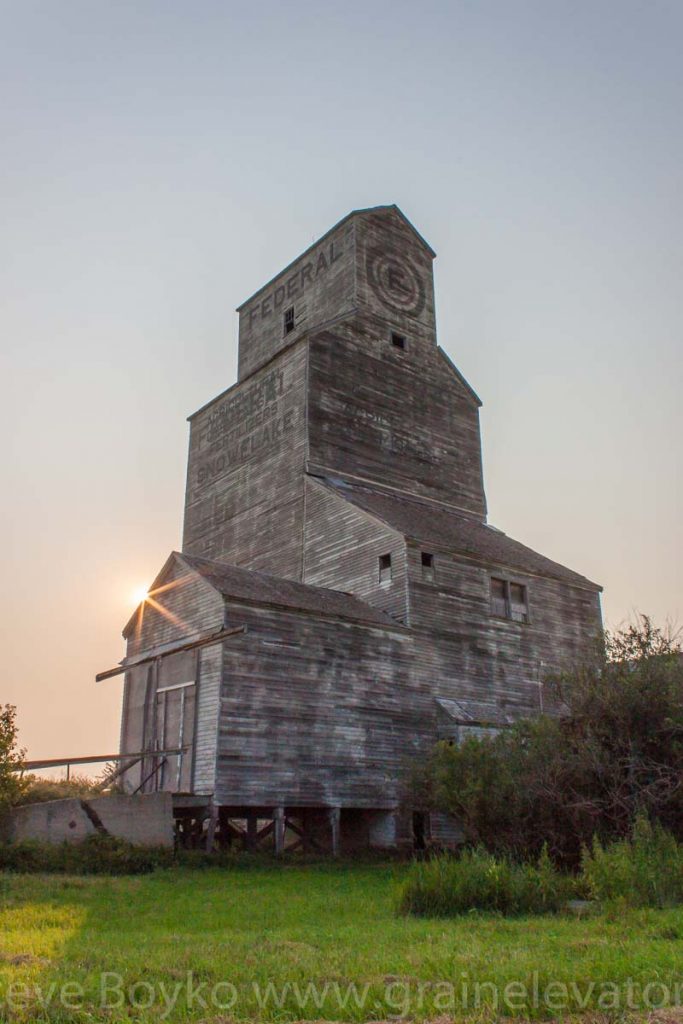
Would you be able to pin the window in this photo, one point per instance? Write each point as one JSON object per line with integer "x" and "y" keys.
{"x": 289, "y": 320}
{"x": 518, "y": 604}
{"x": 385, "y": 568}
{"x": 398, "y": 340}
{"x": 499, "y": 604}
{"x": 509, "y": 600}
{"x": 427, "y": 567}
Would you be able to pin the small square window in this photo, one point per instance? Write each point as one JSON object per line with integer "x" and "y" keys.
{"x": 289, "y": 320}
{"x": 509, "y": 600}
{"x": 427, "y": 566}
{"x": 384, "y": 568}
{"x": 398, "y": 340}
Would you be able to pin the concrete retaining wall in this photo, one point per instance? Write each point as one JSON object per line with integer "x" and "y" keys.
{"x": 145, "y": 820}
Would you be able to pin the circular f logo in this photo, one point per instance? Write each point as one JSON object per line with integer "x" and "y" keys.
{"x": 396, "y": 283}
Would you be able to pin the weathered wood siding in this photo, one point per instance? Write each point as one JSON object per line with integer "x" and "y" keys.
{"x": 342, "y": 550}
{"x": 208, "y": 705}
{"x": 319, "y": 285}
{"x": 394, "y": 277}
{"x": 136, "y": 700}
{"x": 315, "y": 712}
{"x": 371, "y": 263}
{"x": 401, "y": 418}
{"x": 244, "y": 499}
{"x": 322, "y": 702}
{"x": 469, "y": 652}
{"x": 191, "y": 608}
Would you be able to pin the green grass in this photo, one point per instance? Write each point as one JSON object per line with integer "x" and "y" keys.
{"x": 330, "y": 925}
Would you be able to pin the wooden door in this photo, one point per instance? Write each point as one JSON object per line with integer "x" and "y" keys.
{"x": 175, "y": 721}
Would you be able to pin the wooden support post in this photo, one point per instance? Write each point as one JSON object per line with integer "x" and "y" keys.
{"x": 335, "y": 815}
{"x": 211, "y": 829}
{"x": 252, "y": 826}
{"x": 279, "y": 819}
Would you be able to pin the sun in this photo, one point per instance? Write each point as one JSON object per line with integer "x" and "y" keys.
{"x": 139, "y": 595}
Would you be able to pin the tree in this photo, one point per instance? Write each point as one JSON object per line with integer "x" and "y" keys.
{"x": 11, "y": 757}
{"x": 615, "y": 750}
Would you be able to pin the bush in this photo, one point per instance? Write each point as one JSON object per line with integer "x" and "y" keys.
{"x": 645, "y": 871}
{"x": 447, "y": 887}
{"x": 37, "y": 790}
{"x": 609, "y": 747}
{"x": 95, "y": 855}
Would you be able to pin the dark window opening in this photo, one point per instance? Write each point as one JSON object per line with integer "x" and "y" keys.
{"x": 384, "y": 568}
{"x": 289, "y": 320}
{"x": 509, "y": 600}
{"x": 419, "y": 830}
{"x": 398, "y": 340}
{"x": 427, "y": 566}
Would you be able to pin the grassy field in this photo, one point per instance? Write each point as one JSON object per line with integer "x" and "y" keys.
{"x": 291, "y": 943}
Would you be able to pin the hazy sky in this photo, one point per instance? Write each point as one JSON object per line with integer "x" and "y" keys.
{"x": 161, "y": 160}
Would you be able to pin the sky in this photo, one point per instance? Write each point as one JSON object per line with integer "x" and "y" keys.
{"x": 159, "y": 161}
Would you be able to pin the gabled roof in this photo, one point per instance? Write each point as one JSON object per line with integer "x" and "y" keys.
{"x": 447, "y": 530}
{"x": 390, "y": 208}
{"x": 255, "y": 587}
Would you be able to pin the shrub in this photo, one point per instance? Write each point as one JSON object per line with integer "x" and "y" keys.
{"x": 610, "y": 748}
{"x": 37, "y": 790}
{"x": 645, "y": 871}
{"x": 447, "y": 887}
{"x": 95, "y": 855}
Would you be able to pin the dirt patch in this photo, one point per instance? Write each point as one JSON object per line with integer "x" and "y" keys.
{"x": 23, "y": 960}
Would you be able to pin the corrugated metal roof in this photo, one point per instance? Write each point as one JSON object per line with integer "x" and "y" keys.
{"x": 447, "y": 530}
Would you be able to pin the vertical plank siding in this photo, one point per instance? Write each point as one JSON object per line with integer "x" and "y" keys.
{"x": 208, "y": 708}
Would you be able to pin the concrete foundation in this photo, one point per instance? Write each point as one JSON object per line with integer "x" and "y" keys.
{"x": 143, "y": 820}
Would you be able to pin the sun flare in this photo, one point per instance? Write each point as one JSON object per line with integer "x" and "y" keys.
{"x": 139, "y": 595}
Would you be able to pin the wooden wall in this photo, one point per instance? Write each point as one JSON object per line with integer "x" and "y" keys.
{"x": 400, "y": 418}
{"x": 343, "y": 547}
{"x": 208, "y": 705}
{"x": 394, "y": 277}
{"x": 372, "y": 262}
{"x": 315, "y": 712}
{"x": 244, "y": 498}
{"x": 320, "y": 285}
{"x": 469, "y": 652}
{"x": 191, "y": 608}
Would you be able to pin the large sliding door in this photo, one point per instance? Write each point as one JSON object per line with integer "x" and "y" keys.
{"x": 175, "y": 717}
{"x": 174, "y": 721}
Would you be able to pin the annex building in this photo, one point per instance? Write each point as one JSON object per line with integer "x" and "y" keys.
{"x": 340, "y": 601}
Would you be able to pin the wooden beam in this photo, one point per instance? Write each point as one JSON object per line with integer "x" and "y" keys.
{"x": 252, "y": 828}
{"x": 183, "y": 645}
{"x": 279, "y": 822}
{"x": 211, "y": 828}
{"x": 60, "y": 762}
{"x": 335, "y": 815}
